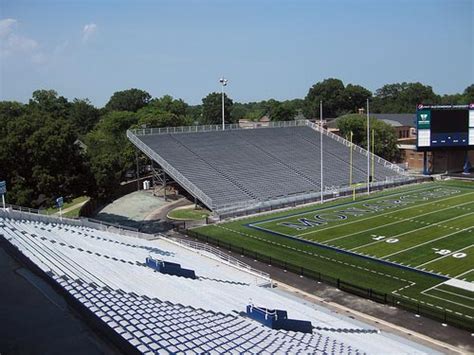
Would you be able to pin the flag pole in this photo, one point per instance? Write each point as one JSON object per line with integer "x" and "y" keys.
{"x": 368, "y": 149}
{"x": 321, "y": 146}
{"x": 373, "y": 154}
{"x": 350, "y": 160}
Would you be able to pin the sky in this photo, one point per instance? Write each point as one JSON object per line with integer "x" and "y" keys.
{"x": 265, "y": 48}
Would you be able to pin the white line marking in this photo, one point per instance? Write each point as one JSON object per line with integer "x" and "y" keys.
{"x": 445, "y": 256}
{"x": 370, "y": 199}
{"x": 339, "y": 262}
{"x": 398, "y": 221}
{"x": 414, "y": 230}
{"x": 453, "y": 293}
{"x": 429, "y": 241}
{"x": 377, "y": 215}
{"x": 462, "y": 274}
{"x": 446, "y": 300}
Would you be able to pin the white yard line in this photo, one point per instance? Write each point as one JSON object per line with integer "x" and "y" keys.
{"x": 377, "y": 215}
{"x": 452, "y": 293}
{"x": 398, "y": 221}
{"x": 445, "y": 256}
{"x": 446, "y": 300}
{"x": 462, "y": 274}
{"x": 427, "y": 242}
{"x": 413, "y": 230}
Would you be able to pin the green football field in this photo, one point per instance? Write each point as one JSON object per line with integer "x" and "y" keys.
{"x": 416, "y": 242}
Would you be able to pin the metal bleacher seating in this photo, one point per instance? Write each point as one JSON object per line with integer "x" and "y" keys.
{"x": 159, "y": 313}
{"x": 247, "y": 168}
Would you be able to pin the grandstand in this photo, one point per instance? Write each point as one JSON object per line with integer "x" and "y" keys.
{"x": 237, "y": 171}
{"x": 146, "y": 311}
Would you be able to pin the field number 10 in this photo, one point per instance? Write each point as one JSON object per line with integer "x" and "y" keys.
{"x": 382, "y": 237}
{"x": 447, "y": 252}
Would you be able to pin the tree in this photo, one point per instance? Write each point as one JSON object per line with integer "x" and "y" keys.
{"x": 403, "y": 98}
{"x": 167, "y": 103}
{"x": 84, "y": 116}
{"x": 281, "y": 112}
{"x": 109, "y": 151}
{"x": 356, "y": 97}
{"x": 469, "y": 94}
{"x": 41, "y": 159}
{"x": 455, "y": 99}
{"x": 336, "y": 98}
{"x": 212, "y": 109}
{"x": 385, "y": 137}
{"x": 9, "y": 110}
{"x": 128, "y": 100}
{"x": 164, "y": 112}
{"x": 331, "y": 92}
{"x": 49, "y": 102}
{"x": 155, "y": 118}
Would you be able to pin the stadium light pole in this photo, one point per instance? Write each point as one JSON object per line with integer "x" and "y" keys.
{"x": 321, "y": 146}
{"x": 223, "y": 82}
{"x": 368, "y": 149}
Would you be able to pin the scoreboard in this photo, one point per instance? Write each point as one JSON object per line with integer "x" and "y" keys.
{"x": 445, "y": 126}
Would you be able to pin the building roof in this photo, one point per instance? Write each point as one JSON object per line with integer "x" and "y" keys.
{"x": 403, "y": 119}
{"x": 391, "y": 122}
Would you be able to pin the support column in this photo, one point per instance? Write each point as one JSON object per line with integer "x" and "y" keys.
{"x": 138, "y": 171}
{"x": 425, "y": 164}
{"x": 164, "y": 184}
{"x": 467, "y": 164}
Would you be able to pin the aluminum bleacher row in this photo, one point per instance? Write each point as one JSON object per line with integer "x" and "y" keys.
{"x": 159, "y": 313}
{"x": 246, "y": 168}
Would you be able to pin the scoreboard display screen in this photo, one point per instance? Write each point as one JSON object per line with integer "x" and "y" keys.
{"x": 445, "y": 126}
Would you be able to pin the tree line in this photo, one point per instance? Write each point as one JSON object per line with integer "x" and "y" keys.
{"x": 52, "y": 147}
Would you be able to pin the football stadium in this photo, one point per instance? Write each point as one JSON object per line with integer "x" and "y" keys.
{"x": 241, "y": 177}
{"x": 404, "y": 241}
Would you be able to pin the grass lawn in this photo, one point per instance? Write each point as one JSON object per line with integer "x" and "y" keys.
{"x": 188, "y": 214}
{"x": 68, "y": 204}
{"x": 71, "y": 214}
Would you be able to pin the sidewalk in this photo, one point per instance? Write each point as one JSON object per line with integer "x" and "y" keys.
{"x": 71, "y": 208}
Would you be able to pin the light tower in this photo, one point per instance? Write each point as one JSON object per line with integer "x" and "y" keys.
{"x": 223, "y": 82}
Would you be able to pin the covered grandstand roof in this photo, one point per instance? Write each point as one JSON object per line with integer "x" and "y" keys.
{"x": 243, "y": 169}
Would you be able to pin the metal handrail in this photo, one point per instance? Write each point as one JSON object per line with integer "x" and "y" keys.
{"x": 230, "y": 260}
{"x": 361, "y": 150}
{"x": 214, "y": 128}
{"x": 170, "y": 170}
{"x": 28, "y": 209}
{"x": 18, "y": 212}
{"x": 133, "y": 135}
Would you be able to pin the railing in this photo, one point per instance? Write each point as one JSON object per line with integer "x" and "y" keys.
{"x": 256, "y": 125}
{"x": 361, "y": 150}
{"x": 215, "y": 128}
{"x": 18, "y": 212}
{"x": 170, "y": 170}
{"x": 28, "y": 209}
{"x": 311, "y": 272}
{"x": 307, "y": 197}
{"x": 240, "y": 206}
{"x": 215, "y": 253}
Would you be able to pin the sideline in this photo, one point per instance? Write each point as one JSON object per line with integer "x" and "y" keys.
{"x": 396, "y": 329}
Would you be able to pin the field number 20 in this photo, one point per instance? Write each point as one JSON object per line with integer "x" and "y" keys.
{"x": 447, "y": 252}
{"x": 382, "y": 237}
